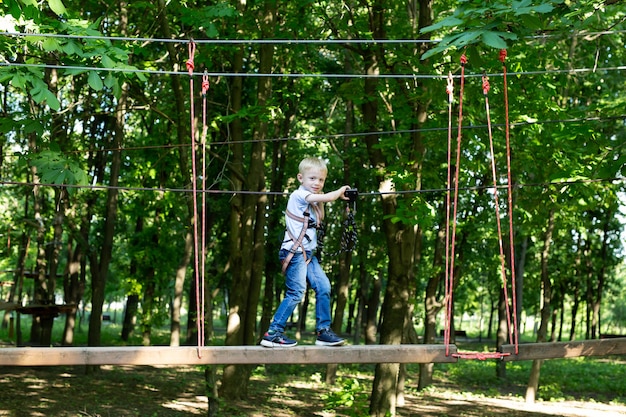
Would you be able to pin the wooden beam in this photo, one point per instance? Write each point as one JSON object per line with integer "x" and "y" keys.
{"x": 557, "y": 350}
{"x": 222, "y": 355}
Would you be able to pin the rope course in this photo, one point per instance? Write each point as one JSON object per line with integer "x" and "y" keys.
{"x": 310, "y": 354}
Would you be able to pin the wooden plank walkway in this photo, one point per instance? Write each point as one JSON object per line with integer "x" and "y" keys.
{"x": 574, "y": 349}
{"x": 223, "y": 355}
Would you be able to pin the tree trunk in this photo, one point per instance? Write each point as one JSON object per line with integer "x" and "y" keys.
{"x": 130, "y": 316}
{"x": 100, "y": 268}
{"x": 372, "y": 302}
{"x": 75, "y": 281}
{"x": 402, "y": 239}
{"x": 604, "y": 251}
{"x": 533, "y": 382}
{"x": 432, "y": 305}
{"x": 182, "y": 134}
{"x": 248, "y": 219}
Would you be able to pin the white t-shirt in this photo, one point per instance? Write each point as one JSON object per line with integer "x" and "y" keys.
{"x": 297, "y": 205}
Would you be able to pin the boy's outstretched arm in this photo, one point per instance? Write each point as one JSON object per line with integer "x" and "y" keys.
{"x": 330, "y": 196}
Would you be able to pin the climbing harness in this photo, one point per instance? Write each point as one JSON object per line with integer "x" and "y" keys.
{"x": 349, "y": 235}
{"x": 298, "y": 243}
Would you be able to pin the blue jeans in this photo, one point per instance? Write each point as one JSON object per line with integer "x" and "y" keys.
{"x": 296, "y": 276}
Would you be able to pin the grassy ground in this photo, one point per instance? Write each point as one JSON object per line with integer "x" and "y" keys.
{"x": 571, "y": 387}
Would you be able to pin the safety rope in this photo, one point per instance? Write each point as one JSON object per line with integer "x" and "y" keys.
{"x": 194, "y": 186}
{"x": 201, "y": 284}
{"x": 450, "y": 92}
{"x": 497, "y": 205}
{"x": 515, "y": 336}
{"x": 450, "y": 242}
{"x": 349, "y": 235}
{"x": 450, "y": 265}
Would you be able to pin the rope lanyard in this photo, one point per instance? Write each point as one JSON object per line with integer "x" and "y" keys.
{"x": 349, "y": 235}
{"x": 450, "y": 92}
{"x": 194, "y": 186}
{"x": 497, "y": 205}
{"x": 453, "y": 184}
{"x": 201, "y": 282}
{"x": 450, "y": 265}
{"x": 515, "y": 335}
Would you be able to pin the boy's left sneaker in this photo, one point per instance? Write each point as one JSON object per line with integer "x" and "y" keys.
{"x": 327, "y": 337}
{"x": 274, "y": 339}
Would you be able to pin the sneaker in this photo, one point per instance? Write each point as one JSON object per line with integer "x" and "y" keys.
{"x": 276, "y": 339}
{"x": 327, "y": 337}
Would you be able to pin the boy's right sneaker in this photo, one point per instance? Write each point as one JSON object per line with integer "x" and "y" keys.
{"x": 274, "y": 339}
{"x": 327, "y": 337}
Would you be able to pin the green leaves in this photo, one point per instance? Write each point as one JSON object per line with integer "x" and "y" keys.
{"x": 473, "y": 23}
{"x": 57, "y": 7}
{"x": 53, "y": 167}
{"x": 32, "y": 81}
{"x": 95, "y": 81}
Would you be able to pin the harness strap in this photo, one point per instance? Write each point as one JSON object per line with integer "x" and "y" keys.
{"x": 297, "y": 243}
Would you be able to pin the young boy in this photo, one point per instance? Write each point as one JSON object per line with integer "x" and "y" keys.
{"x": 305, "y": 212}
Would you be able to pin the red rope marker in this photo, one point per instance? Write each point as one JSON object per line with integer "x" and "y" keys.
{"x": 205, "y": 83}
{"x": 192, "y": 52}
{"x": 485, "y": 85}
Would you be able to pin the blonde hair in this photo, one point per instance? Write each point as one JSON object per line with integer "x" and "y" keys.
{"x": 310, "y": 163}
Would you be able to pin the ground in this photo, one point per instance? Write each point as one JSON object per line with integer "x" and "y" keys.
{"x": 148, "y": 391}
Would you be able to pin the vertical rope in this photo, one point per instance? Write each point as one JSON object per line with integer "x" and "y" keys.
{"x": 194, "y": 186}
{"x": 450, "y": 272}
{"x": 450, "y": 92}
{"x": 510, "y": 202}
{"x": 205, "y": 89}
{"x": 497, "y": 204}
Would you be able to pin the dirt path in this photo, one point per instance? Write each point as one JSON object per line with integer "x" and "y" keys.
{"x": 168, "y": 392}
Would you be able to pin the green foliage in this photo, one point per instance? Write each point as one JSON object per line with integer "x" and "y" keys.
{"x": 351, "y": 394}
{"x": 54, "y": 167}
{"x": 493, "y": 25}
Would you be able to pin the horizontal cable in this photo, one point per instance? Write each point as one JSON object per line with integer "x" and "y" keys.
{"x": 342, "y": 135}
{"x": 309, "y": 75}
{"x": 355, "y": 135}
{"x": 279, "y": 41}
{"x": 285, "y": 193}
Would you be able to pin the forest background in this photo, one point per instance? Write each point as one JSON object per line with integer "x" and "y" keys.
{"x": 99, "y": 113}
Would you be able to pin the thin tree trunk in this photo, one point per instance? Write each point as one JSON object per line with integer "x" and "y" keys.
{"x": 604, "y": 251}
{"x": 100, "y": 268}
{"x": 533, "y": 382}
{"x": 182, "y": 134}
